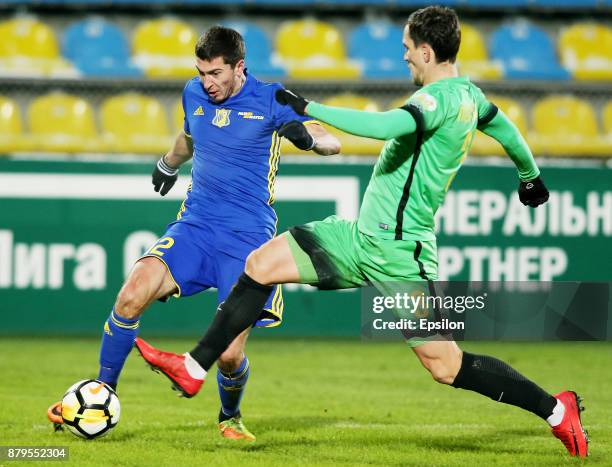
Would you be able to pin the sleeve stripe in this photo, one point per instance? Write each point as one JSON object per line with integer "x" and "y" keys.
{"x": 489, "y": 115}
{"x": 416, "y": 114}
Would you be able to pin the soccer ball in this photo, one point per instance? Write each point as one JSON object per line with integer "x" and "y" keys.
{"x": 90, "y": 408}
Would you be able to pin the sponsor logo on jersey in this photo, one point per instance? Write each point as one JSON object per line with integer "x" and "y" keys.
{"x": 250, "y": 116}
{"x": 199, "y": 111}
{"x": 221, "y": 117}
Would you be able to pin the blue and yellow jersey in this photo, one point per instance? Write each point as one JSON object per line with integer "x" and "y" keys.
{"x": 236, "y": 153}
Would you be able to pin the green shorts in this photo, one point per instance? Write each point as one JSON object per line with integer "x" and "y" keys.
{"x": 333, "y": 254}
{"x": 344, "y": 258}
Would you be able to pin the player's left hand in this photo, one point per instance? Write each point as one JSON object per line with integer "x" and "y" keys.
{"x": 297, "y": 102}
{"x": 533, "y": 193}
{"x": 296, "y": 132}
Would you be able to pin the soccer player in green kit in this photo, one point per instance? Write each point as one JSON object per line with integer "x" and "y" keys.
{"x": 393, "y": 240}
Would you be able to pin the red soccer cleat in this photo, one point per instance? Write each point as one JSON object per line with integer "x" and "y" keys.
{"x": 172, "y": 366}
{"x": 570, "y": 430}
{"x": 54, "y": 414}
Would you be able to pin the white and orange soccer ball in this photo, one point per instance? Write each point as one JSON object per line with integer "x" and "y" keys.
{"x": 90, "y": 409}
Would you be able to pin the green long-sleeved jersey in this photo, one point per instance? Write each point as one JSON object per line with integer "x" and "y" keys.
{"x": 427, "y": 140}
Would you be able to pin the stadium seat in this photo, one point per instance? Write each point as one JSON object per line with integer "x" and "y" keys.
{"x": 420, "y": 3}
{"x": 62, "y": 122}
{"x": 566, "y": 126}
{"x": 312, "y": 49}
{"x": 397, "y": 102}
{"x": 497, "y": 3}
{"x": 378, "y": 47}
{"x": 98, "y": 48}
{"x": 29, "y": 48}
{"x": 566, "y": 3}
{"x": 586, "y": 50}
{"x": 134, "y": 123}
{"x": 526, "y": 52}
{"x": 352, "y": 144}
{"x": 11, "y": 128}
{"x": 165, "y": 48}
{"x": 607, "y": 124}
{"x": 178, "y": 116}
{"x": 484, "y": 145}
{"x": 260, "y": 59}
{"x": 472, "y": 58}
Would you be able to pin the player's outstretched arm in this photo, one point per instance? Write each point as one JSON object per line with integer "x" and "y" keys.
{"x": 166, "y": 170}
{"x": 376, "y": 125}
{"x": 310, "y": 137}
{"x": 532, "y": 191}
{"x": 326, "y": 144}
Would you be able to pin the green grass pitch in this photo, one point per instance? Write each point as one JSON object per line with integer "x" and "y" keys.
{"x": 310, "y": 402}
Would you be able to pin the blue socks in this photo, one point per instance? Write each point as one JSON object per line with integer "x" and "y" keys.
{"x": 231, "y": 389}
{"x": 117, "y": 342}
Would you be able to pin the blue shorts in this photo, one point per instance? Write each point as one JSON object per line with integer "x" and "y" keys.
{"x": 200, "y": 256}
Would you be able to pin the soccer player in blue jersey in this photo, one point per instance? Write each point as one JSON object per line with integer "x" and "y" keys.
{"x": 233, "y": 128}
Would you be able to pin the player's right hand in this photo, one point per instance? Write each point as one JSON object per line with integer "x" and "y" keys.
{"x": 297, "y": 102}
{"x": 164, "y": 177}
{"x": 296, "y": 132}
{"x": 533, "y": 193}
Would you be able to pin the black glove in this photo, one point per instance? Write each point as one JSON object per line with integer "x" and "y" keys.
{"x": 296, "y": 132}
{"x": 533, "y": 193}
{"x": 164, "y": 177}
{"x": 297, "y": 102}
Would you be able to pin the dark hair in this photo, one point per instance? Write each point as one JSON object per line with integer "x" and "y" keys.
{"x": 219, "y": 41}
{"x": 437, "y": 26}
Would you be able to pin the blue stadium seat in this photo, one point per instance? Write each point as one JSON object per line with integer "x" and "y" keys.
{"x": 497, "y": 3}
{"x": 378, "y": 46}
{"x": 200, "y": 2}
{"x": 423, "y": 3}
{"x": 98, "y": 48}
{"x": 259, "y": 55}
{"x": 527, "y": 52}
{"x": 567, "y": 3}
{"x": 284, "y": 2}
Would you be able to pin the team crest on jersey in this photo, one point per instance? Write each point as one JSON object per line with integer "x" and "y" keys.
{"x": 199, "y": 111}
{"x": 221, "y": 117}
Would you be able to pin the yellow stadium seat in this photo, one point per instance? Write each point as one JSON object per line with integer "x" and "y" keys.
{"x": 178, "y": 116}
{"x": 565, "y": 126}
{"x": 473, "y": 59}
{"x": 352, "y": 144}
{"x": 398, "y": 102}
{"x": 62, "y": 123}
{"x": 484, "y": 145}
{"x": 607, "y": 120}
{"x": 313, "y": 49}
{"x": 29, "y": 48}
{"x": 134, "y": 123}
{"x": 586, "y": 50}
{"x": 165, "y": 48}
{"x": 11, "y": 129}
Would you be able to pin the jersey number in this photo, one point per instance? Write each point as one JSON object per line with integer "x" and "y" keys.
{"x": 163, "y": 244}
{"x": 467, "y": 142}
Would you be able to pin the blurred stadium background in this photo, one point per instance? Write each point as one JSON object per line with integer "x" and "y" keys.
{"x": 90, "y": 97}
